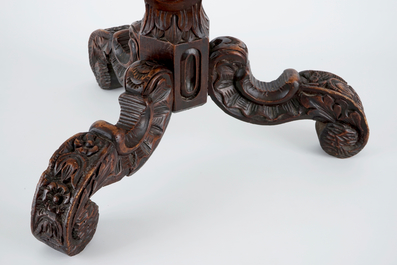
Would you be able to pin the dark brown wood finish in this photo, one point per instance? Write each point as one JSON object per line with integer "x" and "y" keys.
{"x": 175, "y": 33}
{"x": 324, "y": 97}
{"x": 63, "y": 216}
{"x": 166, "y": 64}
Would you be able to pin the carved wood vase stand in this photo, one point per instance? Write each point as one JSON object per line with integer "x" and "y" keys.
{"x": 167, "y": 64}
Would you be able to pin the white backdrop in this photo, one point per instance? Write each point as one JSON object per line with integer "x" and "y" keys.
{"x": 217, "y": 190}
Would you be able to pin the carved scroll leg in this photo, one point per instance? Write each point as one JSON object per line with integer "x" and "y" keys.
{"x": 111, "y": 52}
{"x": 341, "y": 124}
{"x": 63, "y": 216}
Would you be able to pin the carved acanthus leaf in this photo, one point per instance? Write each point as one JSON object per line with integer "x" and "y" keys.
{"x": 176, "y": 26}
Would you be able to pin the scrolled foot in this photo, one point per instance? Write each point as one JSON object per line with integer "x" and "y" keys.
{"x": 341, "y": 124}
{"x": 63, "y": 216}
{"x": 111, "y": 51}
{"x": 324, "y": 97}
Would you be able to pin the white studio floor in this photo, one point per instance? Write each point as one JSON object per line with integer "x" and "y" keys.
{"x": 217, "y": 190}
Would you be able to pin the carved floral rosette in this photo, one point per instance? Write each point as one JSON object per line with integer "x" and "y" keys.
{"x": 324, "y": 97}
{"x": 62, "y": 214}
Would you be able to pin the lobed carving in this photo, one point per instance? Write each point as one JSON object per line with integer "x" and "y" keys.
{"x": 341, "y": 124}
{"x": 175, "y": 21}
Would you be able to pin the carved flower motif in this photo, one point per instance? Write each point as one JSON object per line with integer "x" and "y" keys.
{"x": 314, "y": 77}
{"x": 56, "y": 197}
{"x": 86, "y": 145}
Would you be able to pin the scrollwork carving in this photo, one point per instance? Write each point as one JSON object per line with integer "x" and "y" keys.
{"x": 63, "y": 192}
{"x": 63, "y": 216}
{"x": 341, "y": 124}
{"x": 111, "y": 51}
{"x": 166, "y": 64}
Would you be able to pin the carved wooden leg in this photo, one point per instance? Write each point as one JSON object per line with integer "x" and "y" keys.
{"x": 63, "y": 216}
{"x": 324, "y": 97}
{"x": 111, "y": 52}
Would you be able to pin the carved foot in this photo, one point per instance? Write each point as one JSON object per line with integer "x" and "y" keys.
{"x": 111, "y": 52}
{"x": 63, "y": 216}
{"x": 324, "y": 97}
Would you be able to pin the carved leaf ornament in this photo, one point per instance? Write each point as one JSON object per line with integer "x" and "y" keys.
{"x": 324, "y": 97}
{"x": 64, "y": 217}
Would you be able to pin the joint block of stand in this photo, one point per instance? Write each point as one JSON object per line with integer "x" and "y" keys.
{"x": 189, "y": 63}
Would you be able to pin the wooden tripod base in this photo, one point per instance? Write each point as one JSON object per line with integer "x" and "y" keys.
{"x": 167, "y": 64}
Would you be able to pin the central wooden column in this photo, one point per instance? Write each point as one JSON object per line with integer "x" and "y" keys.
{"x": 175, "y": 34}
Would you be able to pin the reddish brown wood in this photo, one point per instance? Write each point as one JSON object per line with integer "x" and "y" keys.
{"x": 166, "y": 64}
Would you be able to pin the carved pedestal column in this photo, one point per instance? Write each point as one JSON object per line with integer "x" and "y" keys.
{"x": 175, "y": 34}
